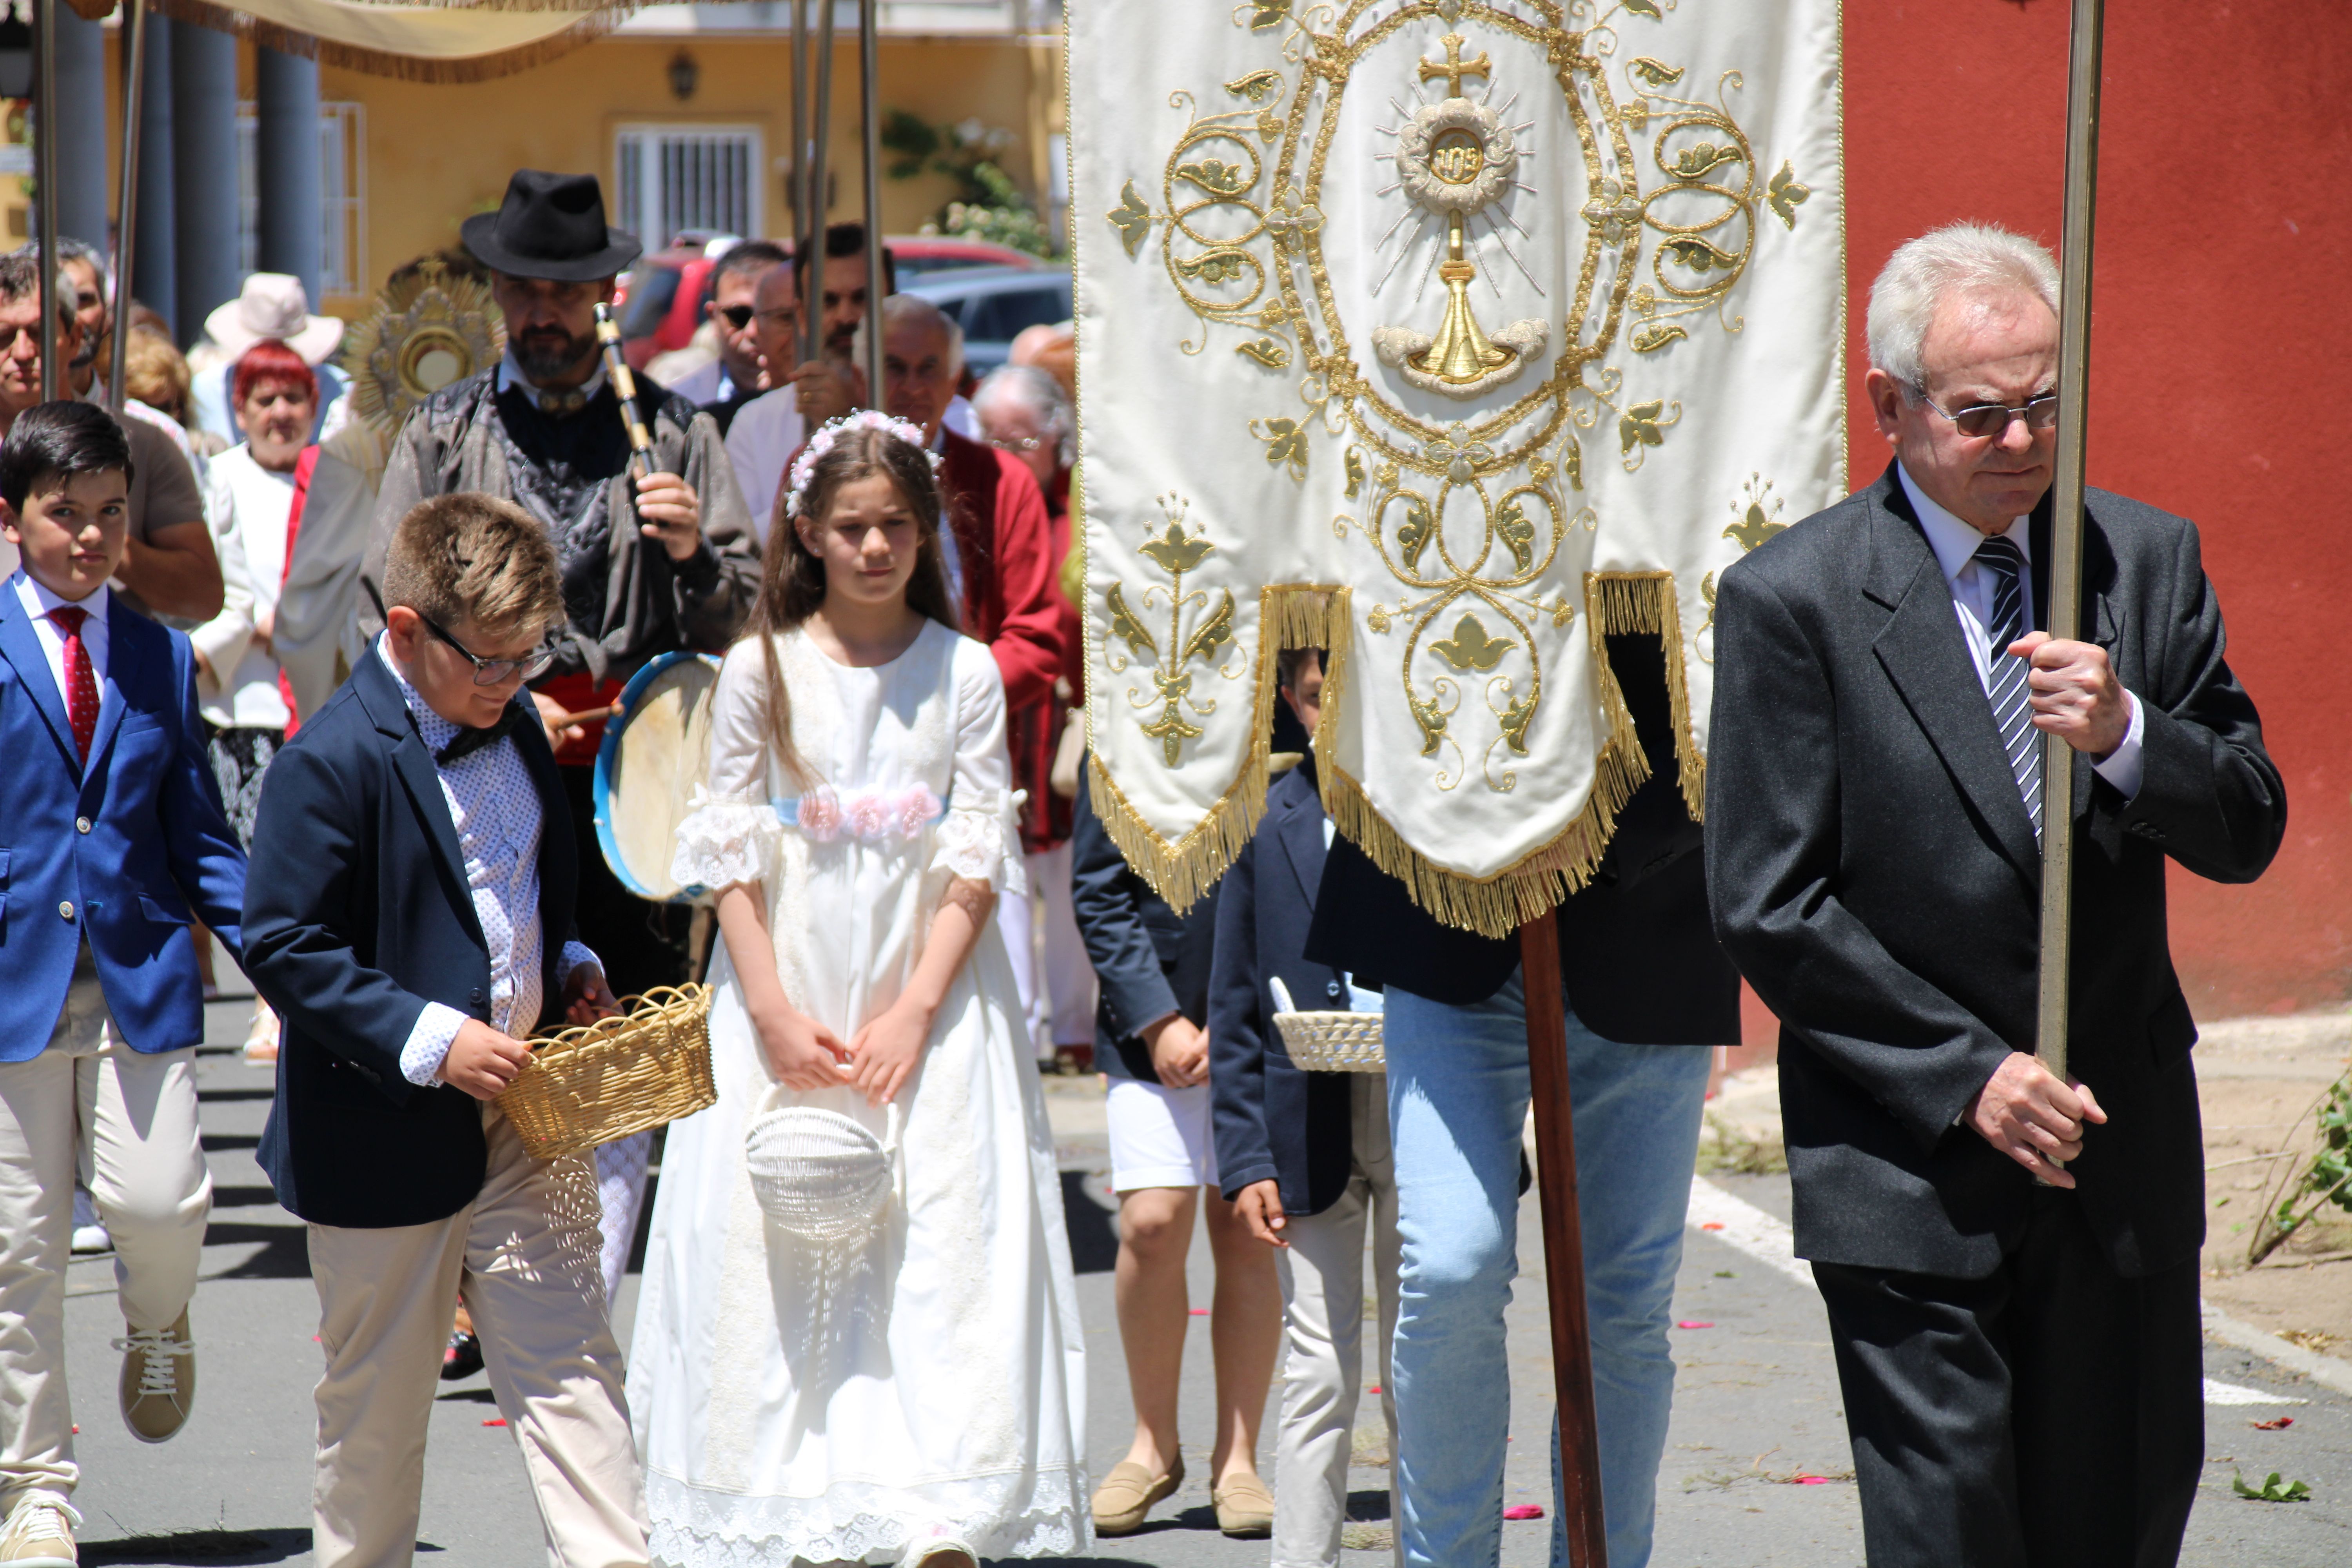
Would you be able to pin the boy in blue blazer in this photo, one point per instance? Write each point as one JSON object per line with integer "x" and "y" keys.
{"x": 410, "y": 916}
{"x": 1304, "y": 1157}
{"x": 113, "y": 835}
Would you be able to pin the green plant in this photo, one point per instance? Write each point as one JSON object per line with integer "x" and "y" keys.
{"x": 2326, "y": 1179}
{"x": 988, "y": 205}
{"x": 2272, "y": 1491}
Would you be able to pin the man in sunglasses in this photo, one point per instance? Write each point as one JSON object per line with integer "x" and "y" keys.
{"x": 723, "y": 388}
{"x": 2009, "y": 1257}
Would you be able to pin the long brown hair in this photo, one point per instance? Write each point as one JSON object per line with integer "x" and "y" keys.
{"x": 791, "y": 576}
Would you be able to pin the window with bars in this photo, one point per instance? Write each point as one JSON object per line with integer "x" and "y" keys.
{"x": 342, "y": 196}
{"x": 673, "y": 178}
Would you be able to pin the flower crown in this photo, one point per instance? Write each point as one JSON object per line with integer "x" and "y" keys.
{"x": 832, "y": 430}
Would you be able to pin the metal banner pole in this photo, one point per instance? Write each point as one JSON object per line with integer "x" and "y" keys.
{"x": 820, "y": 182}
{"x": 126, "y": 205}
{"x": 869, "y": 66}
{"x": 805, "y": 224}
{"x": 1563, "y": 1234}
{"x": 2064, "y": 609}
{"x": 45, "y": 174}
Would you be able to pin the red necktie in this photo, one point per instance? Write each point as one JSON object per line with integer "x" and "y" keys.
{"x": 82, "y": 681}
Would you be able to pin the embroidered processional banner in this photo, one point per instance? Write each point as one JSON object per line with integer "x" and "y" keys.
{"x": 1449, "y": 337}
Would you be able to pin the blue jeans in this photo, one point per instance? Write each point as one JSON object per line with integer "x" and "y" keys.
{"x": 1457, "y": 1099}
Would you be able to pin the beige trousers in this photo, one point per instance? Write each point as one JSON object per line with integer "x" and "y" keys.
{"x": 126, "y": 1123}
{"x": 1322, "y": 1275}
{"x": 524, "y": 1257}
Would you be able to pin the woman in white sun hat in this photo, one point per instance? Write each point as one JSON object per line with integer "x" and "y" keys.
{"x": 271, "y": 305}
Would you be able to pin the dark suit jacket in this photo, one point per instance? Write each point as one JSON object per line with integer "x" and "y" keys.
{"x": 1150, "y": 960}
{"x": 357, "y": 914}
{"x": 1638, "y": 959}
{"x": 1275, "y": 1120}
{"x": 1877, "y": 879}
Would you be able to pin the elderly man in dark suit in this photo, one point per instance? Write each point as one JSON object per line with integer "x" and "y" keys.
{"x": 2009, "y": 1261}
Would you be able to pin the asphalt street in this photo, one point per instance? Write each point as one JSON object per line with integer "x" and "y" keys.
{"x": 1756, "y": 1471}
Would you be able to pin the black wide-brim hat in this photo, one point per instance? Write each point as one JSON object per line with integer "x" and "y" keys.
{"x": 553, "y": 227}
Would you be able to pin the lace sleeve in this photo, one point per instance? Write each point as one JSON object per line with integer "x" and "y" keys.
{"x": 980, "y": 841}
{"x": 724, "y": 842}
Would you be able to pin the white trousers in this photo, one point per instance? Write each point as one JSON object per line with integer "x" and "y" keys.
{"x": 1069, "y": 987}
{"x": 525, "y": 1257}
{"x": 1322, "y": 1275}
{"x": 126, "y": 1124}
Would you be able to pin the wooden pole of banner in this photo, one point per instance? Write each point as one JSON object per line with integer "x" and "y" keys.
{"x": 2064, "y": 609}
{"x": 1563, "y": 1234}
{"x": 45, "y": 177}
{"x": 807, "y": 223}
{"x": 870, "y": 71}
{"x": 820, "y": 182}
{"x": 126, "y": 200}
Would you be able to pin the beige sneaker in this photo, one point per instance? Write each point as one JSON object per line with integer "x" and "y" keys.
{"x": 39, "y": 1533}
{"x": 159, "y": 1381}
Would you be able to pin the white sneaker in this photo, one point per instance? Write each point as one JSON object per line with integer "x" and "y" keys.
{"x": 89, "y": 1231}
{"x": 40, "y": 1533}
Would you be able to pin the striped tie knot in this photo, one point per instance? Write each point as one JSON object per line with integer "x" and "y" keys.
{"x": 2005, "y": 675}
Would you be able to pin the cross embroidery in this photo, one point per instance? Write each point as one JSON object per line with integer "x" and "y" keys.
{"x": 1454, "y": 67}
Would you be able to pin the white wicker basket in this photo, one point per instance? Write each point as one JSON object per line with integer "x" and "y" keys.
{"x": 1329, "y": 1042}
{"x": 819, "y": 1174}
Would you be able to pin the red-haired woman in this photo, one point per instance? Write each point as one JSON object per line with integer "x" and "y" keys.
{"x": 251, "y": 491}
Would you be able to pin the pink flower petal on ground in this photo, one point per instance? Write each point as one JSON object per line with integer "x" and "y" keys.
{"x": 1810, "y": 1482}
{"x": 1522, "y": 1510}
{"x": 1693, "y": 1323}
{"x": 1199, "y": 1311}
{"x": 499, "y": 1421}
{"x": 1375, "y": 1388}
{"x": 1712, "y": 1225}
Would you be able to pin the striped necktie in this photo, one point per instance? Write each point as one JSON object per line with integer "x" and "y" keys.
{"x": 2012, "y": 714}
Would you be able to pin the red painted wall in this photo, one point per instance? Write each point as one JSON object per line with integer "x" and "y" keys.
{"x": 2222, "y": 357}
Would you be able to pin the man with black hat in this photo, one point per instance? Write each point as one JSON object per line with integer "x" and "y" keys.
{"x": 663, "y": 563}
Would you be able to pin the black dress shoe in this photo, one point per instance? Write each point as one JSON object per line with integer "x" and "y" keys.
{"x": 463, "y": 1359}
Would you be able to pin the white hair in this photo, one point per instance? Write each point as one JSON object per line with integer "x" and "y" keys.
{"x": 1037, "y": 391}
{"x": 899, "y": 309}
{"x": 1958, "y": 259}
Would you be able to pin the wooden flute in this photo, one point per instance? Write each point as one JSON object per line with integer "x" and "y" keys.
{"x": 624, "y": 387}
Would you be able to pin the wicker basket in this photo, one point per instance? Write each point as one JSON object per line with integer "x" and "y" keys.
{"x": 597, "y": 1082}
{"x": 1330, "y": 1042}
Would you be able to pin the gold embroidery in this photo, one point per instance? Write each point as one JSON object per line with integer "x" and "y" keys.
{"x": 1176, "y": 552}
{"x": 1785, "y": 195}
{"x": 1470, "y": 647}
{"x": 1131, "y": 218}
{"x": 1285, "y": 442}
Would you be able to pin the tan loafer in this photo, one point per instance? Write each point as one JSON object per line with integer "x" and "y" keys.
{"x": 40, "y": 1533}
{"x": 1127, "y": 1493}
{"x": 1244, "y": 1508}
{"x": 159, "y": 1381}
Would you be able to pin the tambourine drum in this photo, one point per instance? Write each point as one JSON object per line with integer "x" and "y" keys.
{"x": 657, "y": 750}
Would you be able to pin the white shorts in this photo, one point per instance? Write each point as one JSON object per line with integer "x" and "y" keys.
{"x": 1159, "y": 1136}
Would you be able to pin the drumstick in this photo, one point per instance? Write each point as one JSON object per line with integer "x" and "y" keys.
{"x": 625, "y": 386}
{"x": 585, "y": 716}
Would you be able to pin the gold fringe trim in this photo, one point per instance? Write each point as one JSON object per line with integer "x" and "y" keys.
{"x": 1646, "y": 603}
{"x": 427, "y": 68}
{"x": 1290, "y": 614}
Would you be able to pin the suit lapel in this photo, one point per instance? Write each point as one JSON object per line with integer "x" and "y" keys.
{"x": 380, "y": 696}
{"x": 21, "y": 645}
{"x": 1923, "y": 654}
{"x": 1299, "y": 832}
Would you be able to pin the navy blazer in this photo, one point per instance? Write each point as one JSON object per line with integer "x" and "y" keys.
{"x": 1150, "y": 960}
{"x": 358, "y": 913}
{"x": 1639, "y": 960}
{"x": 119, "y": 851}
{"x": 1274, "y": 1119}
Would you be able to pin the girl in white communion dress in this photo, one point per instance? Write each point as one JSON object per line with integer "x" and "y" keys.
{"x": 917, "y": 1395}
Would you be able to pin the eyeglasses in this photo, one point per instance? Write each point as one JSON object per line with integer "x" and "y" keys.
{"x": 736, "y": 316}
{"x": 491, "y": 671}
{"x": 1978, "y": 421}
{"x": 1017, "y": 443}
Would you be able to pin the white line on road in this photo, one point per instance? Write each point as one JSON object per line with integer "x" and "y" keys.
{"x": 1769, "y": 1241}
{"x": 2239, "y": 1394}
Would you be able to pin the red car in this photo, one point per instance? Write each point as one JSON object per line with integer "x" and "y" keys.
{"x": 661, "y": 300}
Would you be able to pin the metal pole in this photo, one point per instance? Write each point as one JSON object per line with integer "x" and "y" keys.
{"x": 2064, "y": 609}
{"x": 45, "y": 174}
{"x": 1563, "y": 1233}
{"x": 804, "y": 223}
{"x": 820, "y": 142}
{"x": 869, "y": 63}
{"x": 126, "y": 206}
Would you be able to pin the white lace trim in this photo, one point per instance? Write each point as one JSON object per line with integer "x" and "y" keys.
{"x": 1020, "y": 1514}
{"x": 980, "y": 840}
{"x": 724, "y": 842}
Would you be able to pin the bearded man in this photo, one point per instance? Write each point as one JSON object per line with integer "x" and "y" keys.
{"x": 650, "y": 566}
